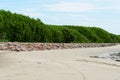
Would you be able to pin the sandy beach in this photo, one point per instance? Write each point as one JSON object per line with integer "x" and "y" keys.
{"x": 65, "y": 64}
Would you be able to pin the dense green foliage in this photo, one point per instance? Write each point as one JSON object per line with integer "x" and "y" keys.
{"x": 17, "y": 27}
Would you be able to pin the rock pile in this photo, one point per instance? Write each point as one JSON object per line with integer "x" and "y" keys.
{"x": 16, "y": 46}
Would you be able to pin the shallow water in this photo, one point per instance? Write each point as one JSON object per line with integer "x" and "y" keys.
{"x": 111, "y": 56}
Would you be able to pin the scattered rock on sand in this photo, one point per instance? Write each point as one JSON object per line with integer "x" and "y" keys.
{"x": 16, "y": 46}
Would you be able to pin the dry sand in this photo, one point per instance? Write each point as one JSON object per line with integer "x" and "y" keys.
{"x": 67, "y": 64}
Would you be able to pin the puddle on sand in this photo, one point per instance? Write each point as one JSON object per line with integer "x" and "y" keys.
{"x": 110, "y": 56}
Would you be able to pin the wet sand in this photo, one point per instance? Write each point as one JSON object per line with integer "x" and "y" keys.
{"x": 66, "y": 64}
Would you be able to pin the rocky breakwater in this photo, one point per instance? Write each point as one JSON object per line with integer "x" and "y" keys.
{"x": 16, "y": 46}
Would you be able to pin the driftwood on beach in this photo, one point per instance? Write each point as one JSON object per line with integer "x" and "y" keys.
{"x": 16, "y": 46}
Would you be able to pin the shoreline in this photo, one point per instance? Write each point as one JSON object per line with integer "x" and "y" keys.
{"x": 61, "y": 64}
